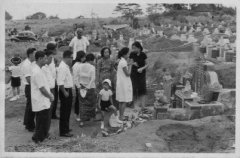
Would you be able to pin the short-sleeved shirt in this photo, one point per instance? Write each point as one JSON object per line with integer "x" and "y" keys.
{"x": 26, "y": 70}
{"x": 76, "y": 68}
{"x": 105, "y": 94}
{"x": 64, "y": 76}
{"x": 53, "y": 69}
{"x": 86, "y": 73}
{"x": 78, "y": 45}
{"x": 39, "y": 80}
{"x": 16, "y": 70}
{"x": 51, "y": 80}
{"x": 140, "y": 60}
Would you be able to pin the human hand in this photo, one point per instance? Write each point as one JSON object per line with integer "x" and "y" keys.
{"x": 135, "y": 64}
{"x": 51, "y": 97}
{"x": 66, "y": 94}
{"x": 140, "y": 70}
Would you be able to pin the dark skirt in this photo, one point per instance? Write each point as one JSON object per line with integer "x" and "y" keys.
{"x": 87, "y": 105}
{"x": 15, "y": 81}
{"x": 139, "y": 85}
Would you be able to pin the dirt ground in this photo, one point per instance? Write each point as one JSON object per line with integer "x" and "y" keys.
{"x": 210, "y": 134}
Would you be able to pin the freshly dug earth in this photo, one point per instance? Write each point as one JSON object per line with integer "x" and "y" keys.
{"x": 208, "y": 135}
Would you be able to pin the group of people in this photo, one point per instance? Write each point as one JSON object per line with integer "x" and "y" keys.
{"x": 99, "y": 85}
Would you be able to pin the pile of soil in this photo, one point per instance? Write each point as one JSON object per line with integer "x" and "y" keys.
{"x": 211, "y": 134}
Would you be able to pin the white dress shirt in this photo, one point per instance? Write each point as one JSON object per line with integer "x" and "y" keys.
{"x": 39, "y": 80}
{"x": 47, "y": 71}
{"x": 76, "y": 68}
{"x": 53, "y": 69}
{"x": 64, "y": 76}
{"x": 79, "y": 44}
{"x": 86, "y": 75}
{"x": 26, "y": 70}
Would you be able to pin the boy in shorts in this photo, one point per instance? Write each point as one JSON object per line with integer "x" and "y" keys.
{"x": 15, "y": 77}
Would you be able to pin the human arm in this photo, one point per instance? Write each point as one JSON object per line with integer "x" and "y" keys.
{"x": 47, "y": 94}
{"x": 71, "y": 44}
{"x": 63, "y": 90}
{"x": 99, "y": 101}
{"x": 93, "y": 77}
{"x": 60, "y": 81}
{"x": 38, "y": 79}
{"x": 144, "y": 67}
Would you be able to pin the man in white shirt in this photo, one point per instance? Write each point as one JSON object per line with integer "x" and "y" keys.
{"x": 53, "y": 66}
{"x": 50, "y": 78}
{"x": 79, "y": 43}
{"x": 26, "y": 72}
{"x": 65, "y": 83}
{"x": 41, "y": 98}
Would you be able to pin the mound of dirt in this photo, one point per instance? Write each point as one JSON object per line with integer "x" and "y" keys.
{"x": 210, "y": 134}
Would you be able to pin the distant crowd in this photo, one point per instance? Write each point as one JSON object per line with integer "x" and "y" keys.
{"x": 104, "y": 85}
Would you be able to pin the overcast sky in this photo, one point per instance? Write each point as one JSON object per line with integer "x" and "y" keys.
{"x": 19, "y": 9}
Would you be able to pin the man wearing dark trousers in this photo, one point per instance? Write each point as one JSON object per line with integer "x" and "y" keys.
{"x": 27, "y": 64}
{"x": 52, "y": 47}
{"x": 50, "y": 79}
{"x": 65, "y": 83}
{"x": 41, "y": 98}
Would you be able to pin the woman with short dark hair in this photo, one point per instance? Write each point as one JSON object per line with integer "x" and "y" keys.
{"x": 86, "y": 89}
{"x": 124, "y": 84}
{"x": 105, "y": 67}
{"x": 81, "y": 56}
{"x": 138, "y": 73}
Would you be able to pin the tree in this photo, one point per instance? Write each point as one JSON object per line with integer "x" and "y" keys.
{"x": 80, "y": 17}
{"x": 155, "y": 8}
{"x": 53, "y": 17}
{"x": 37, "y": 16}
{"x": 8, "y": 16}
{"x": 154, "y": 12}
{"x": 172, "y": 7}
{"x": 129, "y": 10}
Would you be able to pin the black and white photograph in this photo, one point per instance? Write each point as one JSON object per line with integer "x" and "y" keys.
{"x": 112, "y": 77}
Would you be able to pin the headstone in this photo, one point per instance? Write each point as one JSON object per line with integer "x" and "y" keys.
{"x": 216, "y": 31}
{"x": 175, "y": 37}
{"x": 191, "y": 30}
{"x": 121, "y": 37}
{"x": 199, "y": 29}
{"x": 184, "y": 29}
{"x": 206, "y": 41}
{"x": 131, "y": 41}
{"x": 191, "y": 39}
{"x": 228, "y": 32}
{"x": 206, "y": 31}
{"x": 183, "y": 37}
{"x": 179, "y": 28}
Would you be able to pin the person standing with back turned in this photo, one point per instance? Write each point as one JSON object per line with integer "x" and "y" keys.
{"x": 65, "y": 83}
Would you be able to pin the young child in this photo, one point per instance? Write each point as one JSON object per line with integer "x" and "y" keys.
{"x": 105, "y": 102}
{"x": 15, "y": 77}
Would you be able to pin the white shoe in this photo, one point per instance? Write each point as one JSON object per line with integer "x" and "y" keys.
{"x": 13, "y": 98}
{"x": 119, "y": 121}
{"x": 18, "y": 96}
{"x": 102, "y": 125}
